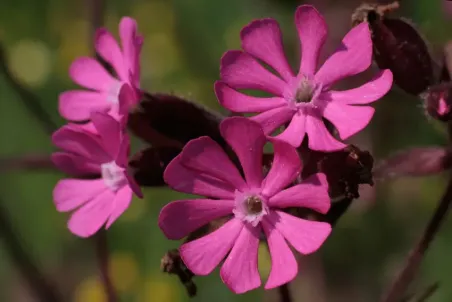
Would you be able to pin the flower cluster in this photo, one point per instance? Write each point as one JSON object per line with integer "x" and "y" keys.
{"x": 251, "y": 200}
{"x": 97, "y": 151}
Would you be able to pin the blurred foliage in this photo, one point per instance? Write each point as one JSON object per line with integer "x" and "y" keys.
{"x": 184, "y": 41}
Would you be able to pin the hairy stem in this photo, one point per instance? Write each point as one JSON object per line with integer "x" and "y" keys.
{"x": 103, "y": 260}
{"x": 284, "y": 293}
{"x": 44, "y": 290}
{"x": 407, "y": 274}
{"x": 29, "y": 99}
{"x": 26, "y": 162}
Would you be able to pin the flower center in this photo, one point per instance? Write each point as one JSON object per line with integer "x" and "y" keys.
{"x": 305, "y": 92}
{"x": 253, "y": 205}
{"x": 113, "y": 175}
{"x": 250, "y": 207}
{"x": 113, "y": 93}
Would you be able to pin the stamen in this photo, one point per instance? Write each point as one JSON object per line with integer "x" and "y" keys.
{"x": 305, "y": 92}
{"x": 253, "y": 205}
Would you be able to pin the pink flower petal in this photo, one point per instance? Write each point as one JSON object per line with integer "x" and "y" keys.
{"x": 284, "y": 265}
{"x": 348, "y": 119}
{"x": 352, "y": 57}
{"x": 110, "y": 132}
{"x": 121, "y": 202}
{"x": 319, "y": 137}
{"x": 202, "y": 255}
{"x": 77, "y": 105}
{"x": 122, "y": 156}
{"x": 239, "y": 272}
{"x": 70, "y": 194}
{"x": 312, "y": 31}
{"x": 295, "y": 132}
{"x": 189, "y": 181}
{"x": 367, "y": 93}
{"x": 272, "y": 119}
{"x": 312, "y": 194}
{"x": 74, "y": 165}
{"x": 107, "y": 47}
{"x": 239, "y": 102}
{"x": 89, "y": 218}
{"x": 179, "y": 218}
{"x": 128, "y": 33}
{"x": 89, "y": 73}
{"x": 206, "y": 156}
{"x": 72, "y": 139}
{"x": 263, "y": 40}
{"x": 285, "y": 168}
{"x": 127, "y": 99}
{"x": 304, "y": 235}
{"x": 247, "y": 140}
{"x": 241, "y": 71}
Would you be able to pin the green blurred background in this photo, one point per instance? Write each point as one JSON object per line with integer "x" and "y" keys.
{"x": 184, "y": 40}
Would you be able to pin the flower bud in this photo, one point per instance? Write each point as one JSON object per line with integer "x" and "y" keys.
{"x": 438, "y": 102}
{"x": 398, "y": 46}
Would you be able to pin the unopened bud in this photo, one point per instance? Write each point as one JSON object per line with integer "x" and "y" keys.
{"x": 438, "y": 102}
{"x": 398, "y": 46}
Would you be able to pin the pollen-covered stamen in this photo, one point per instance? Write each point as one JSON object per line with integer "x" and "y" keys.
{"x": 253, "y": 205}
{"x": 113, "y": 175}
{"x": 305, "y": 92}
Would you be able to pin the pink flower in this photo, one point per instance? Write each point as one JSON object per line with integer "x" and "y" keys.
{"x": 77, "y": 105}
{"x": 253, "y": 202}
{"x": 305, "y": 98}
{"x": 101, "y": 200}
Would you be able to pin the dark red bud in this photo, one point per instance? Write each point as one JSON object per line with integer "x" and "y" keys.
{"x": 345, "y": 170}
{"x": 398, "y": 46}
{"x": 438, "y": 102}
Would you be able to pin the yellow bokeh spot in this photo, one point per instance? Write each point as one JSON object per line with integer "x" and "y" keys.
{"x": 90, "y": 290}
{"x": 161, "y": 288}
{"x": 123, "y": 271}
{"x": 76, "y": 42}
{"x": 135, "y": 211}
{"x": 30, "y": 62}
{"x": 154, "y": 16}
{"x": 161, "y": 55}
{"x": 265, "y": 262}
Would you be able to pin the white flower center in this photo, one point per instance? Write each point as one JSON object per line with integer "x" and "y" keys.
{"x": 250, "y": 208}
{"x": 113, "y": 175}
{"x": 113, "y": 93}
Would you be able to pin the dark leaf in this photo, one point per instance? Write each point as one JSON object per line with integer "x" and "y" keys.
{"x": 147, "y": 166}
{"x": 421, "y": 161}
{"x": 399, "y": 47}
{"x": 175, "y": 118}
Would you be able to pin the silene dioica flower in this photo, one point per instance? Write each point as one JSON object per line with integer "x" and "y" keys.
{"x": 102, "y": 197}
{"x": 103, "y": 93}
{"x": 255, "y": 203}
{"x": 304, "y": 98}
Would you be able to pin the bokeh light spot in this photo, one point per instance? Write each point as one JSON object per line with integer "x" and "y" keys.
{"x": 90, "y": 290}
{"x": 30, "y": 62}
{"x": 160, "y": 288}
{"x": 124, "y": 271}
